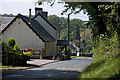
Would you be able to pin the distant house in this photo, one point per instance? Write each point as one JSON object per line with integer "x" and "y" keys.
{"x": 36, "y": 32}
{"x": 5, "y": 20}
{"x": 74, "y": 48}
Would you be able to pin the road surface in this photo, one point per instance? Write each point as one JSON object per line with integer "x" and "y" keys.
{"x": 68, "y": 69}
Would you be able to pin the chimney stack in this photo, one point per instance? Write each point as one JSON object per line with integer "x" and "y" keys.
{"x": 45, "y": 14}
{"x": 30, "y": 16}
{"x": 38, "y": 10}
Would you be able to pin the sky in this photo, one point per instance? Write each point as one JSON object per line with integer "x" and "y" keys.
{"x": 23, "y": 6}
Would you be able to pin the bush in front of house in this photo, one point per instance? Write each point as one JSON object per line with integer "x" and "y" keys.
{"x": 11, "y": 42}
{"x": 27, "y": 54}
{"x": 15, "y": 55}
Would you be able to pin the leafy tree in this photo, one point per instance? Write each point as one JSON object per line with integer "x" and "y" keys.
{"x": 61, "y": 23}
{"x": 55, "y": 20}
{"x": 104, "y": 17}
{"x": 77, "y": 33}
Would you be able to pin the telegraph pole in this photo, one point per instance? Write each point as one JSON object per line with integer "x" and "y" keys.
{"x": 68, "y": 26}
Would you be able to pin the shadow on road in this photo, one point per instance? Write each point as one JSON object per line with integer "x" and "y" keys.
{"x": 46, "y": 74}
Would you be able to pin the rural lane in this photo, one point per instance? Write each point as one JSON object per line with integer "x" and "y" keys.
{"x": 68, "y": 69}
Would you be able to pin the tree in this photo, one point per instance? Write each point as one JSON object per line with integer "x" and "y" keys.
{"x": 77, "y": 33}
{"x": 55, "y": 20}
{"x": 61, "y": 23}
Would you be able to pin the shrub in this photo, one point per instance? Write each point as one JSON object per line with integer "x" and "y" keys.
{"x": 4, "y": 45}
{"x": 14, "y": 51}
{"x": 11, "y": 42}
{"x": 28, "y": 54}
{"x": 16, "y": 47}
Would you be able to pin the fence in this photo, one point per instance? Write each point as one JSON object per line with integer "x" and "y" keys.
{"x": 11, "y": 58}
{"x": 38, "y": 54}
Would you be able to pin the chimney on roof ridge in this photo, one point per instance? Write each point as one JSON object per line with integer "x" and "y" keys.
{"x": 30, "y": 16}
{"x": 44, "y": 13}
{"x": 40, "y": 10}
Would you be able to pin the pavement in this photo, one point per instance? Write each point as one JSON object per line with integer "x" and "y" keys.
{"x": 68, "y": 70}
{"x": 31, "y": 64}
{"x": 40, "y": 62}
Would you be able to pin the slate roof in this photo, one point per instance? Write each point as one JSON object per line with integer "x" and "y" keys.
{"x": 38, "y": 14}
{"x": 35, "y": 27}
{"x": 5, "y": 21}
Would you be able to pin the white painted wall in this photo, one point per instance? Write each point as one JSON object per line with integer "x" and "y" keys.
{"x": 23, "y": 35}
{"x": 47, "y": 27}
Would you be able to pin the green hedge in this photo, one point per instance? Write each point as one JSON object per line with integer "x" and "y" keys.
{"x": 15, "y": 56}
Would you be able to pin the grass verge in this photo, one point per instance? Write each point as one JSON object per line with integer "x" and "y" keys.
{"x": 106, "y": 60}
{"x": 104, "y": 69}
{"x": 77, "y": 56}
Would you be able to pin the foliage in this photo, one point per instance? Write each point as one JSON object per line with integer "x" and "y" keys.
{"x": 4, "y": 45}
{"x": 76, "y": 26}
{"x": 16, "y": 47}
{"x": 56, "y": 20}
{"x": 104, "y": 22}
{"x": 87, "y": 48}
{"x": 68, "y": 51}
{"x": 11, "y": 42}
{"x": 105, "y": 59}
{"x": 86, "y": 36}
{"x": 104, "y": 17}
{"x": 68, "y": 54}
{"x": 13, "y": 51}
{"x": 28, "y": 53}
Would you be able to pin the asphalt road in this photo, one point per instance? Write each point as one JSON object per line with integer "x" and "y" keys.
{"x": 67, "y": 70}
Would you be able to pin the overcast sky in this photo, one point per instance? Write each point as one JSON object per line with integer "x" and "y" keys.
{"x": 22, "y": 7}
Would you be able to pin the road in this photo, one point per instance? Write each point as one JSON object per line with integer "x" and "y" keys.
{"x": 68, "y": 69}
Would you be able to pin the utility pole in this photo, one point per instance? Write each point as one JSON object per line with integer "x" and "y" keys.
{"x": 68, "y": 26}
{"x": 68, "y": 54}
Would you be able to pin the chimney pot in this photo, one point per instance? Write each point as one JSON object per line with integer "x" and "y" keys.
{"x": 30, "y": 16}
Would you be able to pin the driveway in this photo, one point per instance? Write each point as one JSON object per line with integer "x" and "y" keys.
{"x": 68, "y": 69}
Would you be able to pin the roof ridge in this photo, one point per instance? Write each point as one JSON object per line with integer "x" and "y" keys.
{"x": 46, "y": 20}
{"x": 43, "y": 28}
{"x": 31, "y": 25}
{"x": 24, "y": 19}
